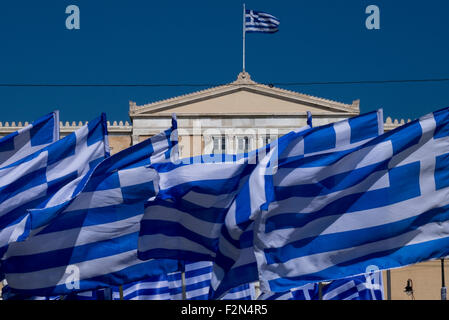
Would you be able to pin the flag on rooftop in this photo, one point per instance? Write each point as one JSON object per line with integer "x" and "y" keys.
{"x": 33, "y": 181}
{"x": 29, "y": 139}
{"x": 197, "y": 277}
{"x": 90, "y": 241}
{"x": 258, "y": 21}
{"x": 384, "y": 203}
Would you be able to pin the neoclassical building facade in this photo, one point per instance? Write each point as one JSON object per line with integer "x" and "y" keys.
{"x": 242, "y": 116}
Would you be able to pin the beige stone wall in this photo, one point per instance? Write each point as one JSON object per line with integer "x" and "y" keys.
{"x": 119, "y": 142}
{"x": 426, "y": 278}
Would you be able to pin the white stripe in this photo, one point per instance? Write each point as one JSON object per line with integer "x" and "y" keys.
{"x": 199, "y": 172}
{"x": 96, "y": 199}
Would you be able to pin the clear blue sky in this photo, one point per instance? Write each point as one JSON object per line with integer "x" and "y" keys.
{"x": 200, "y": 41}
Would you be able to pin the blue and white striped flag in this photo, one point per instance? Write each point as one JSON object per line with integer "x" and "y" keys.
{"x": 90, "y": 241}
{"x": 384, "y": 204}
{"x": 33, "y": 182}
{"x": 197, "y": 284}
{"x": 99, "y": 294}
{"x": 29, "y": 139}
{"x": 258, "y": 21}
{"x": 363, "y": 287}
{"x": 184, "y": 221}
{"x": 151, "y": 288}
{"x": 235, "y": 262}
{"x": 7, "y": 294}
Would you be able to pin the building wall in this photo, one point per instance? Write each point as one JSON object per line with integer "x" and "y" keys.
{"x": 426, "y": 279}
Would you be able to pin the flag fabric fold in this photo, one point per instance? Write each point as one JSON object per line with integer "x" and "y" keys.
{"x": 235, "y": 263}
{"x": 383, "y": 203}
{"x": 29, "y": 139}
{"x": 34, "y": 181}
{"x": 363, "y": 287}
{"x": 90, "y": 241}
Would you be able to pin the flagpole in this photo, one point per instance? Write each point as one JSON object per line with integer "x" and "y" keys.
{"x": 443, "y": 285}
{"x": 244, "y": 35}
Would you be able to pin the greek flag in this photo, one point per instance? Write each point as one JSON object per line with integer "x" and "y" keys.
{"x": 90, "y": 241}
{"x": 152, "y": 288}
{"x": 384, "y": 204}
{"x": 197, "y": 283}
{"x": 29, "y": 139}
{"x": 235, "y": 262}
{"x": 185, "y": 219}
{"x": 8, "y": 294}
{"x": 32, "y": 182}
{"x": 363, "y": 287}
{"x": 258, "y": 21}
{"x": 169, "y": 286}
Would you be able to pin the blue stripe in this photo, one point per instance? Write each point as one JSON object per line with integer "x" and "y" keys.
{"x": 7, "y": 142}
{"x": 61, "y": 149}
{"x": 170, "y": 253}
{"x": 92, "y": 216}
{"x": 441, "y": 172}
{"x": 97, "y": 130}
{"x": 320, "y": 140}
{"x": 126, "y": 275}
{"x": 211, "y": 187}
{"x": 442, "y": 124}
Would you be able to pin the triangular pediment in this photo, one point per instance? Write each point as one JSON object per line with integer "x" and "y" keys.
{"x": 243, "y": 97}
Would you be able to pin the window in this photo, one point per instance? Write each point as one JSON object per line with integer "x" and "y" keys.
{"x": 219, "y": 144}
